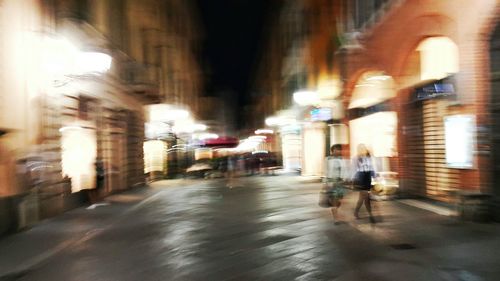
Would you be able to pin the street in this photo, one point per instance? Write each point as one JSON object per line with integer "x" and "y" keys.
{"x": 264, "y": 228}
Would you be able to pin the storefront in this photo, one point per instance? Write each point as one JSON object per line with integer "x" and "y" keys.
{"x": 427, "y": 100}
{"x": 158, "y": 139}
{"x": 424, "y": 140}
{"x": 373, "y": 119}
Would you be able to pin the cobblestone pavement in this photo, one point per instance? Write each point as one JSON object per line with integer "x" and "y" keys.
{"x": 263, "y": 228}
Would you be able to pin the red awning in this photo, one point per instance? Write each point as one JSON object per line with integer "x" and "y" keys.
{"x": 222, "y": 142}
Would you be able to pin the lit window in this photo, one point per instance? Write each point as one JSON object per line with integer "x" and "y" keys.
{"x": 438, "y": 58}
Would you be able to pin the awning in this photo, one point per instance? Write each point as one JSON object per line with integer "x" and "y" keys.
{"x": 222, "y": 142}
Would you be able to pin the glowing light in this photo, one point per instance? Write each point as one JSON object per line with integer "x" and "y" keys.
{"x": 306, "y": 98}
{"x": 88, "y": 62}
{"x": 438, "y": 58}
{"x": 177, "y": 114}
{"x": 188, "y": 126}
{"x": 272, "y": 121}
{"x": 166, "y": 113}
{"x": 258, "y": 138}
{"x": 199, "y": 127}
{"x": 79, "y": 150}
{"x": 203, "y": 153}
{"x": 67, "y": 128}
{"x": 247, "y": 145}
{"x": 183, "y": 126}
{"x": 367, "y": 130}
{"x": 459, "y": 140}
{"x": 155, "y": 130}
{"x": 264, "y": 131}
{"x": 58, "y": 56}
{"x": 329, "y": 89}
{"x": 61, "y": 57}
{"x": 154, "y": 156}
{"x": 260, "y": 152}
{"x": 378, "y": 78}
{"x": 208, "y": 136}
{"x": 279, "y": 121}
{"x": 372, "y": 87}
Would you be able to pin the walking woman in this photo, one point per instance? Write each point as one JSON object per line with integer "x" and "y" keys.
{"x": 364, "y": 171}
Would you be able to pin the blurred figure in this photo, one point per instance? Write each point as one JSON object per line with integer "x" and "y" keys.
{"x": 231, "y": 169}
{"x": 255, "y": 164}
{"x": 241, "y": 165}
{"x": 100, "y": 175}
{"x": 336, "y": 176}
{"x": 364, "y": 171}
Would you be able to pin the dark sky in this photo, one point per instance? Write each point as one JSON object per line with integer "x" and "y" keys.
{"x": 233, "y": 34}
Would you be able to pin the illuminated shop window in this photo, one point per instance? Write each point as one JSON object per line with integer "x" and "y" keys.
{"x": 154, "y": 156}
{"x": 376, "y": 131}
{"x": 79, "y": 150}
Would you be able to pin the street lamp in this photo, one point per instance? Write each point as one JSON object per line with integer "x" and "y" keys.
{"x": 305, "y": 98}
{"x": 166, "y": 113}
{"x": 264, "y": 131}
{"x": 93, "y": 62}
{"x": 279, "y": 121}
{"x": 61, "y": 58}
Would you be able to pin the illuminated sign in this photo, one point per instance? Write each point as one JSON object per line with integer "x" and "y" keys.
{"x": 321, "y": 114}
{"x": 441, "y": 88}
{"x": 459, "y": 136}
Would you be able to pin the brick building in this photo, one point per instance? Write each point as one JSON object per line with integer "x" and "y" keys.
{"x": 419, "y": 45}
{"x": 406, "y": 71}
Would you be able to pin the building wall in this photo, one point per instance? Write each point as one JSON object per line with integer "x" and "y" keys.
{"x": 36, "y": 108}
{"x": 19, "y": 100}
{"x": 465, "y": 23}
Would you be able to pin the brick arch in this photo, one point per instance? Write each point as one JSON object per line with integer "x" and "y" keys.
{"x": 391, "y": 48}
{"x": 353, "y": 79}
{"x": 423, "y": 27}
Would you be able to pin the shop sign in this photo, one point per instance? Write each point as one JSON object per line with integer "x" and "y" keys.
{"x": 438, "y": 89}
{"x": 321, "y": 114}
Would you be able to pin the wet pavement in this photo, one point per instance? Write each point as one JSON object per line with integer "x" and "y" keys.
{"x": 264, "y": 228}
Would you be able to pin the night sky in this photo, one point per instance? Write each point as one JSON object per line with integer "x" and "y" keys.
{"x": 233, "y": 37}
